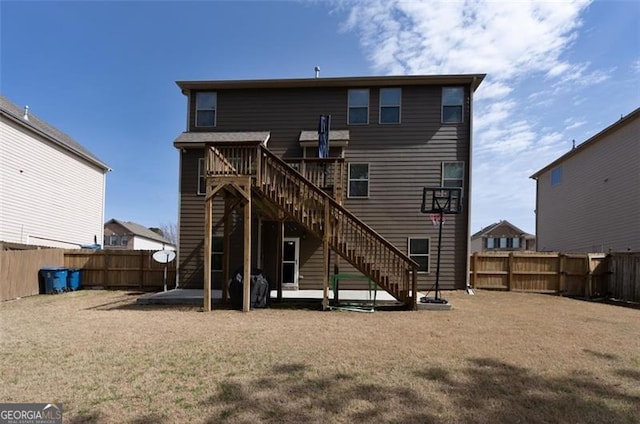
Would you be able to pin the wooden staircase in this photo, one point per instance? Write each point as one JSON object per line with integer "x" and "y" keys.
{"x": 304, "y": 202}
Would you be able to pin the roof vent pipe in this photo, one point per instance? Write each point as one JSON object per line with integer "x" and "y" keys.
{"x": 317, "y": 70}
{"x": 26, "y": 113}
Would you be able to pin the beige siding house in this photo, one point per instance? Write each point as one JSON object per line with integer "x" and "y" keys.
{"x": 52, "y": 189}
{"x": 389, "y": 137}
{"x": 502, "y": 236}
{"x": 588, "y": 200}
{"x": 127, "y": 235}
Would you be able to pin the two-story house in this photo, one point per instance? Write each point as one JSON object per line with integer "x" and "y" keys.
{"x": 502, "y": 236}
{"x": 52, "y": 189}
{"x": 127, "y": 235}
{"x": 253, "y": 190}
{"x": 588, "y": 200}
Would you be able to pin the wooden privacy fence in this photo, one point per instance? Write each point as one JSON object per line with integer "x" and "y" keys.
{"x": 580, "y": 274}
{"x": 19, "y": 270}
{"x": 624, "y": 276}
{"x": 120, "y": 269}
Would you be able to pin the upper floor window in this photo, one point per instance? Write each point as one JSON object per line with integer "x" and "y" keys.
{"x": 452, "y": 104}
{"x": 453, "y": 174}
{"x": 358, "y": 180}
{"x": 206, "y": 109}
{"x": 556, "y": 175}
{"x": 358, "y": 112}
{"x": 390, "y": 100}
{"x": 419, "y": 252}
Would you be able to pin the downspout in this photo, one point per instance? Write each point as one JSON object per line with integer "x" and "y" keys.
{"x": 469, "y": 179}
{"x": 178, "y": 250}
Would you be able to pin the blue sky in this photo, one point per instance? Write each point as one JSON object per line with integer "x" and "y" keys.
{"x": 104, "y": 72}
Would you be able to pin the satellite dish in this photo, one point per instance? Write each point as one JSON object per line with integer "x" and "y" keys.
{"x": 164, "y": 256}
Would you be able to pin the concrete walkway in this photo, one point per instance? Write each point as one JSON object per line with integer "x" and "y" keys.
{"x": 195, "y": 296}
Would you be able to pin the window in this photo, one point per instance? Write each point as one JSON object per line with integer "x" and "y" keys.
{"x": 556, "y": 176}
{"x": 390, "y": 100}
{"x": 516, "y": 243}
{"x": 217, "y": 256}
{"x": 490, "y": 243}
{"x": 453, "y": 174}
{"x": 452, "y": 102}
{"x": 124, "y": 240}
{"x": 358, "y": 180}
{"x": 419, "y": 252}
{"x": 358, "y": 106}
{"x": 202, "y": 189}
{"x": 206, "y": 109}
{"x": 503, "y": 242}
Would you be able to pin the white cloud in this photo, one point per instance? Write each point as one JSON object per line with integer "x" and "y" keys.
{"x": 513, "y": 43}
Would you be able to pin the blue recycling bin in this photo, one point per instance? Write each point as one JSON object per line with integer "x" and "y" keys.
{"x": 55, "y": 279}
{"x": 74, "y": 279}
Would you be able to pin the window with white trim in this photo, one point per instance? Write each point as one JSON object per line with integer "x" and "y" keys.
{"x": 453, "y": 174}
{"x": 358, "y": 106}
{"x": 556, "y": 175}
{"x": 419, "y": 252}
{"x": 206, "y": 103}
{"x": 390, "y": 102}
{"x": 124, "y": 240}
{"x": 202, "y": 189}
{"x": 452, "y": 105}
{"x": 358, "y": 180}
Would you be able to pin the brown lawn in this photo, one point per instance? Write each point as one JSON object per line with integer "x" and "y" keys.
{"x": 495, "y": 358}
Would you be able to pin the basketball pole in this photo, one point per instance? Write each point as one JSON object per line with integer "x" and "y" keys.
{"x": 437, "y": 300}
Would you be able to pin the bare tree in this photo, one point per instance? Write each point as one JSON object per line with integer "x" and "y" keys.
{"x": 170, "y": 231}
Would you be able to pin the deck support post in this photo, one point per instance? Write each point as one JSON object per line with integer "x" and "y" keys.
{"x": 226, "y": 247}
{"x": 246, "y": 279}
{"x": 280, "y": 240}
{"x": 325, "y": 255}
{"x": 208, "y": 209}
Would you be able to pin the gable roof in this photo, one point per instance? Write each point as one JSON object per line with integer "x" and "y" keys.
{"x": 37, "y": 125}
{"x": 140, "y": 230}
{"x": 493, "y": 226}
{"x": 398, "y": 81}
{"x": 591, "y": 141}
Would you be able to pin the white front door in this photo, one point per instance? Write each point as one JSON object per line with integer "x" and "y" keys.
{"x": 290, "y": 261}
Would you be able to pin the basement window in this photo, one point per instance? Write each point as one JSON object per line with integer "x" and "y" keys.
{"x": 419, "y": 252}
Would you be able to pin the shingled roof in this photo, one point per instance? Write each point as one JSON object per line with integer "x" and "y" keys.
{"x": 16, "y": 114}
{"x": 140, "y": 230}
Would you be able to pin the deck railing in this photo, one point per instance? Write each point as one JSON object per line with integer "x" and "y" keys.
{"x": 305, "y": 202}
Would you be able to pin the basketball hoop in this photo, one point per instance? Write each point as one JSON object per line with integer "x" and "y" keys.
{"x": 435, "y": 219}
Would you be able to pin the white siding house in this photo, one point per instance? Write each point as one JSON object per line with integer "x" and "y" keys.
{"x": 52, "y": 190}
{"x": 588, "y": 200}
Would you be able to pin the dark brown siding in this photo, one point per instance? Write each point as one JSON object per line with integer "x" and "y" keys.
{"x": 402, "y": 158}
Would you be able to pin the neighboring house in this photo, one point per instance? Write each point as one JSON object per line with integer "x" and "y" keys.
{"x": 588, "y": 200}
{"x": 52, "y": 189}
{"x": 502, "y": 236}
{"x": 255, "y": 143}
{"x": 126, "y": 235}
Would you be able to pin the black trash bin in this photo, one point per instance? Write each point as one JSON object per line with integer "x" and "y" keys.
{"x": 259, "y": 289}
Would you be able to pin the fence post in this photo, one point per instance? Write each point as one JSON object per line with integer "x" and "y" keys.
{"x": 562, "y": 275}
{"x": 474, "y": 272}
{"x": 141, "y": 269}
{"x": 510, "y": 271}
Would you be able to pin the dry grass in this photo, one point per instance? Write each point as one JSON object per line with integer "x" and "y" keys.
{"x": 496, "y": 357}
